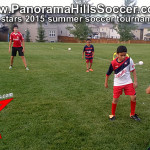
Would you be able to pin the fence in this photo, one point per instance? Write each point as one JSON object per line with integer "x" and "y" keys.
{"x": 3, "y": 37}
{"x": 66, "y": 39}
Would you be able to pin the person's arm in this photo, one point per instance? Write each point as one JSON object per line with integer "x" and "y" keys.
{"x": 23, "y": 45}
{"x": 106, "y": 81}
{"x": 92, "y": 54}
{"x": 110, "y": 70}
{"x": 132, "y": 69}
{"x": 10, "y": 43}
{"x": 83, "y": 52}
{"x": 148, "y": 90}
{"x": 135, "y": 79}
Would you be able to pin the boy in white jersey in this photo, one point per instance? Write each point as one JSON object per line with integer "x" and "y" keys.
{"x": 122, "y": 66}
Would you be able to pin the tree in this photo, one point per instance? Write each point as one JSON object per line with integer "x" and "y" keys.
{"x": 124, "y": 29}
{"x": 41, "y": 34}
{"x": 81, "y": 2}
{"x": 27, "y": 35}
{"x": 11, "y": 28}
{"x": 130, "y": 2}
{"x": 80, "y": 31}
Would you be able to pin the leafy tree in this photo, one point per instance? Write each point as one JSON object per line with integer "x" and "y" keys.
{"x": 27, "y": 35}
{"x": 81, "y": 2}
{"x": 11, "y": 28}
{"x": 80, "y": 31}
{"x": 41, "y": 34}
{"x": 124, "y": 29}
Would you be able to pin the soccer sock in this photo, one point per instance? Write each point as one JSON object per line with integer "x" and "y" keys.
{"x": 133, "y": 105}
{"x": 113, "y": 109}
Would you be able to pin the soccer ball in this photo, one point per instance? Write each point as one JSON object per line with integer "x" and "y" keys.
{"x": 140, "y": 62}
{"x": 69, "y": 49}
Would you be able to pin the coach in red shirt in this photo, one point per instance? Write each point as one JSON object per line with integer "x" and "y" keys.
{"x": 18, "y": 45}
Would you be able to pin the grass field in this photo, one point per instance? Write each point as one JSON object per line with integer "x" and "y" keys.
{"x": 58, "y": 106}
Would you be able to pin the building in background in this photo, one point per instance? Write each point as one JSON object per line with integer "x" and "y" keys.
{"x": 3, "y": 32}
{"x": 51, "y": 30}
{"x": 142, "y": 32}
{"x": 99, "y": 30}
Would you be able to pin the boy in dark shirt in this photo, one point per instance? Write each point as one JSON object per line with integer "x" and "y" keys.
{"x": 89, "y": 54}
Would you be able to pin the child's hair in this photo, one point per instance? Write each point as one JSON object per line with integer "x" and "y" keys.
{"x": 15, "y": 26}
{"x": 121, "y": 49}
{"x": 88, "y": 40}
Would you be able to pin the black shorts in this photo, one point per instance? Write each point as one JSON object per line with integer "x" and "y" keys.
{"x": 15, "y": 49}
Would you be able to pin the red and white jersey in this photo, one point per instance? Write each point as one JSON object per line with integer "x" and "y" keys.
{"x": 17, "y": 38}
{"x": 121, "y": 71}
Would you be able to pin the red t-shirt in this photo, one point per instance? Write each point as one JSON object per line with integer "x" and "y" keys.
{"x": 17, "y": 38}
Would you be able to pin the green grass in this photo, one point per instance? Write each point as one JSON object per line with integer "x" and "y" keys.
{"x": 58, "y": 106}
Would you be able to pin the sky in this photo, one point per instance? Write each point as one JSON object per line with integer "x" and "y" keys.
{"x": 68, "y": 2}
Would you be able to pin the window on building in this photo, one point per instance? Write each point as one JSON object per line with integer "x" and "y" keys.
{"x": 61, "y": 32}
{"x": 52, "y": 33}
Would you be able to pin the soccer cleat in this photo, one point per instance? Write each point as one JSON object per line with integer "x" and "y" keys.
{"x": 91, "y": 70}
{"x": 27, "y": 68}
{"x": 10, "y": 67}
{"x": 135, "y": 117}
{"x": 87, "y": 70}
{"x": 112, "y": 117}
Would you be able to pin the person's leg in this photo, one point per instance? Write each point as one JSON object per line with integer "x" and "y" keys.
{"x": 91, "y": 62}
{"x": 114, "y": 105}
{"x": 117, "y": 91}
{"x": 24, "y": 61}
{"x": 11, "y": 60}
{"x": 22, "y": 56}
{"x": 148, "y": 90}
{"x": 133, "y": 104}
{"x": 133, "y": 115}
{"x": 90, "y": 65}
{"x": 87, "y": 65}
{"x": 14, "y": 51}
{"x": 113, "y": 109}
{"x": 129, "y": 90}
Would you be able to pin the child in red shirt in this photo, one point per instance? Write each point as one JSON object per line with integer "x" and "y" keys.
{"x": 18, "y": 40}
